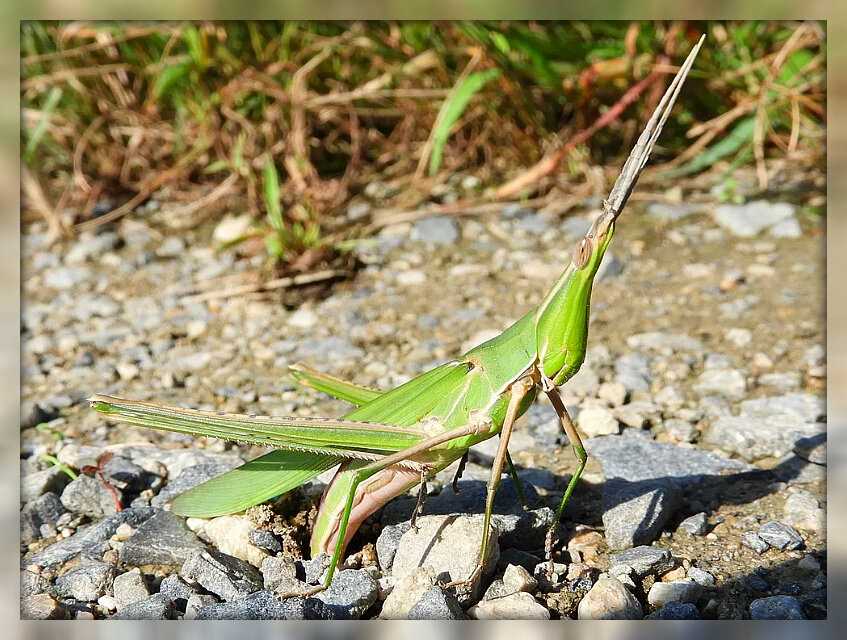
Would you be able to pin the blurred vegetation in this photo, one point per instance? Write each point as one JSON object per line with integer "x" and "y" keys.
{"x": 290, "y": 121}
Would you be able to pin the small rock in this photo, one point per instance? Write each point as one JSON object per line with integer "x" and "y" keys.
{"x": 747, "y": 220}
{"x": 644, "y": 560}
{"x": 608, "y": 599}
{"x": 436, "y": 604}
{"x": 162, "y": 540}
{"x": 517, "y": 606}
{"x": 44, "y": 510}
{"x": 231, "y": 228}
{"x": 685, "y": 590}
{"x": 780, "y": 536}
{"x": 739, "y": 337}
{"x": 517, "y": 578}
{"x": 449, "y": 545}
{"x": 387, "y": 543}
{"x": 635, "y": 513}
{"x": 809, "y": 563}
{"x": 89, "y": 496}
{"x": 784, "y": 381}
{"x": 613, "y": 392}
{"x": 129, "y": 588}
{"x": 701, "y": 577}
{"x": 812, "y": 448}
{"x": 596, "y": 421}
{"x": 696, "y": 525}
{"x": 41, "y": 606}
{"x": 263, "y": 605}
{"x": 177, "y": 590}
{"x": 195, "y": 603}
{"x": 802, "y": 511}
{"x": 665, "y": 343}
{"x": 410, "y": 278}
{"x": 155, "y": 607}
{"x": 681, "y": 430}
{"x": 265, "y": 540}
{"x": 408, "y": 590}
{"x": 351, "y": 593}
{"x": 751, "y": 540}
{"x": 676, "y": 611}
{"x": 303, "y": 318}
{"x": 786, "y": 229}
{"x": 227, "y": 577}
{"x": 66, "y": 277}
{"x": 438, "y": 230}
{"x": 727, "y": 382}
{"x": 754, "y": 438}
{"x": 33, "y": 583}
{"x": 633, "y": 372}
{"x": 231, "y": 535}
{"x": 87, "y": 583}
{"x": 805, "y": 407}
{"x": 280, "y": 575}
{"x": 108, "y": 603}
{"x": 777, "y": 608}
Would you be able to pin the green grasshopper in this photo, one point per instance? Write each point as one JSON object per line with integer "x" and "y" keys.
{"x": 396, "y": 439}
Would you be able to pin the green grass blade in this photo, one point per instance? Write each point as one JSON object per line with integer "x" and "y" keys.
{"x": 741, "y": 135}
{"x": 271, "y": 192}
{"x": 259, "y": 480}
{"x": 332, "y": 386}
{"x": 452, "y": 109}
{"x": 41, "y": 127}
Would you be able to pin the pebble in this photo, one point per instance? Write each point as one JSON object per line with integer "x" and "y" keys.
{"x": 387, "y": 543}
{"x": 751, "y": 540}
{"x": 129, "y": 588}
{"x": 701, "y": 577}
{"x": 685, "y": 590}
{"x": 644, "y": 560}
{"x": 407, "y": 591}
{"x": 517, "y": 578}
{"x": 613, "y": 392}
{"x": 280, "y": 575}
{"x": 41, "y": 606}
{"x": 517, "y": 606}
{"x": 785, "y": 381}
{"x": 596, "y": 421}
{"x": 635, "y": 513}
{"x": 696, "y": 525}
{"x": 177, "y": 590}
{"x": 231, "y": 535}
{"x": 805, "y": 407}
{"x": 726, "y": 382}
{"x": 265, "y": 540}
{"x": 608, "y": 599}
{"x": 437, "y": 230}
{"x": 262, "y": 605}
{"x": 747, "y": 220}
{"x": 43, "y": 510}
{"x": 665, "y": 343}
{"x": 753, "y": 438}
{"x": 681, "y": 430}
{"x": 412, "y": 277}
{"x": 739, "y": 337}
{"x": 777, "y": 608}
{"x": 164, "y": 539}
{"x": 303, "y": 318}
{"x": 155, "y": 607}
{"x": 449, "y": 545}
{"x": 351, "y": 593}
{"x": 436, "y": 604}
{"x": 802, "y": 511}
{"x": 227, "y": 577}
{"x": 676, "y": 611}
{"x": 195, "y": 603}
{"x": 87, "y": 583}
{"x": 780, "y": 536}
{"x": 231, "y": 228}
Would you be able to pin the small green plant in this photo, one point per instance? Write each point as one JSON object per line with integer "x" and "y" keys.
{"x": 281, "y": 239}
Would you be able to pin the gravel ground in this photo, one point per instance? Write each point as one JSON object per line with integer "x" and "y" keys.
{"x": 701, "y": 402}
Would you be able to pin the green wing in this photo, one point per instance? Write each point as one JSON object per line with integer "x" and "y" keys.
{"x": 259, "y": 480}
{"x": 332, "y": 386}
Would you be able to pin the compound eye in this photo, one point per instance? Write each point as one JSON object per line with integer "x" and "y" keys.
{"x": 582, "y": 253}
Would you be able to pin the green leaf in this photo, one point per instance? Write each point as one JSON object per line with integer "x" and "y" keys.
{"x": 796, "y": 62}
{"x": 271, "y": 193}
{"x": 452, "y": 109}
{"x": 274, "y": 245}
{"x": 741, "y": 135}
{"x": 169, "y": 78}
{"x": 41, "y": 126}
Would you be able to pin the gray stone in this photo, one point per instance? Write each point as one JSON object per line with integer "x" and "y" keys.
{"x": 328, "y": 349}
{"x": 751, "y": 540}
{"x": 177, "y": 590}
{"x": 634, "y": 513}
{"x": 280, "y": 575}
{"x": 88, "y": 246}
{"x": 130, "y": 588}
{"x": 87, "y": 583}
{"x": 263, "y": 605}
{"x": 608, "y": 599}
{"x": 314, "y": 569}
{"x": 784, "y": 381}
{"x": 610, "y": 267}
{"x": 632, "y": 370}
{"x": 436, "y": 604}
{"x": 676, "y": 611}
{"x": 533, "y": 224}
{"x": 802, "y": 511}
{"x": 696, "y": 525}
{"x": 777, "y": 608}
{"x": 726, "y": 382}
{"x": 438, "y": 230}
{"x": 51, "y": 480}
{"x": 155, "y": 607}
{"x": 265, "y": 540}
{"x": 747, "y": 220}
{"x": 666, "y": 343}
{"x": 387, "y": 543}
{"x": 92, "y": 540}
{"x": 670, "y": 212}
{"x": 755, "y": 437}
{"x": 661, "y": 593}
{"x": 124, "y": 474}
{"x": 637, "y": 414}
{"x": 41, "y": 606}
{"x": 198, "y": 602}
{"x": 225, "y": 576}
{"x": 33, "y": 583}
{"x": 89, "y": 496}
{"x": 162, "y": 540}
{"x": 701, "y": 577}
{"x": 597, "y": 421}
{"x": 805, "y": 407}
{"x": 786, "y": 229}
{"x": 780, "y": 536}
{"x": 62, "y": 278}
{"x": 351, "y": 593}
{"x": 450, "y": 545}
{"x": 516, "y": 606}
{"x": 645, "y": 560}
{"x": 46, "y": 509}
{"x": 681, "y": 430}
